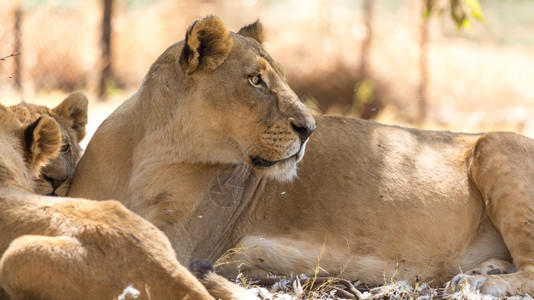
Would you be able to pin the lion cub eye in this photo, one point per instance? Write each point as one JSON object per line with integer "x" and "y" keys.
{"x": 255, "y": 80}
{"x": 65, "y": 148}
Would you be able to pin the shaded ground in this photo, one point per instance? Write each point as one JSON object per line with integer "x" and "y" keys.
{"x": 333, "y": 289}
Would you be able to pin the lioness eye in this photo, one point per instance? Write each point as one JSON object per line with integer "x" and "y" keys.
{"x": 255, "y": 80}
{"x": 65, "y": 148}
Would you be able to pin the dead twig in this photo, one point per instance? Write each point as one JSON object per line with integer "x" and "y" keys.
{"x": 334, "y": 280}
{"x": 317, "y": 281}
{"x": 344, "y": 293}
{"x": 10, "y": 55}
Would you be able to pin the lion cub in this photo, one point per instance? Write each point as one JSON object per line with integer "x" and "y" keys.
{"x": 61, "y": 248}
{"x": 71, "y": 115}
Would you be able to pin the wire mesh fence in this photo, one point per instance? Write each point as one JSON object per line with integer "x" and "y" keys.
{"x": 318, "y": 42}
{"x": 55, "y": 41}
{"x": 61, "y": 41}
{"x": 57, "y": 48}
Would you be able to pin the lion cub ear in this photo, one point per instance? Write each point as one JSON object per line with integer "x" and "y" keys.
{"x": 73, "y": 112}
{"x": 42, "y": 140}
{"x": 8, "y": 121}
{"x": 254, "y": 30}
{"x": 207, "y": 43}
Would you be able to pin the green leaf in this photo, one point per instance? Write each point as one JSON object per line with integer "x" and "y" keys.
{"x": 458, "y": 13}
{"x": 466, "y": 25}
{"x": 476, "y": 10}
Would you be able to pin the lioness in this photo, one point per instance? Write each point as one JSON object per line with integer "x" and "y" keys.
{"x": 71, "y": 116}
{"x": 207, "y": 150}
{"x": 61, "y": 248}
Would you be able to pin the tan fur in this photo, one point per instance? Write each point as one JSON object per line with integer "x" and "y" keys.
{"x": 254, "y": 30}
{"x": 62, "y": 248}
{"x": 11, "y": 173}
{"x": 369, "y": 201}
{"x": 71, "y": 115}
{"x": 206, "y": 47}
{"x": 43, "y": 142}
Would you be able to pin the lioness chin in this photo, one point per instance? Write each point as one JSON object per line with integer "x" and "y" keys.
{"x": 208, "y": 145}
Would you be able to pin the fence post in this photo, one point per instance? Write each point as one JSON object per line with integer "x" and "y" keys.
{"x": 422, "y": 90}
{"x": 366, "y": 44}
{"x": 106, "y": 75}
{"x": 18, "y": 46}
{"x": 365, "y": 102}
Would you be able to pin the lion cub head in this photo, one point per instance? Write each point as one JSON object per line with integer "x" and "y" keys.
{"x": 240, "y": 108}
{"x": 25, "y": 149}
{"x": 71, "y": 116}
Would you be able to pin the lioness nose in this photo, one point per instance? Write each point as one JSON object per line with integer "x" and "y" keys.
{"x": 304, "y": 129}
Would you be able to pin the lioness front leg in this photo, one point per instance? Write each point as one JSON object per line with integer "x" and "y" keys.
{"x": 501, "y": 168}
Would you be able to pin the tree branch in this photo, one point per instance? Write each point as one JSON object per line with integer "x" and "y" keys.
{"x": 11, "y": 55}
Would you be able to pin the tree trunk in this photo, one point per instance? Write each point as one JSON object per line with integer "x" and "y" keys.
{"x": 106, "y": 71}
{"x": 365, "y": 103}
{"x": 423, "y": 68}
{"x": 18, "y": 45}
{"x": 366, "y": 44}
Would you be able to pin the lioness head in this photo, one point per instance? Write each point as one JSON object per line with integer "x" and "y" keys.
{"x": 71, "y": 116}
{"x": 240, "y": 107}
{"x": 25, "y": 149}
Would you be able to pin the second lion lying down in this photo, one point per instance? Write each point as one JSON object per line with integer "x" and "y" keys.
{"x": 71, "y": 116}
{"x": 65, "y": 248}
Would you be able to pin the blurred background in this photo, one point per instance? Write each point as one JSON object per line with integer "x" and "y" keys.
{"x": 434, "y": 64}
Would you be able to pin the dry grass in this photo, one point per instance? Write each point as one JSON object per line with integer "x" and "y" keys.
{"x": 290, "y": 288}
{"x": 317, "y": 287}
{"x": 314, "y": 287}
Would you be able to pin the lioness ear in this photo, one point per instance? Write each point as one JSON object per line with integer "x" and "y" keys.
{"x": 207, "y": 43}
{"x": 42, "y": 140}
{"x": 73, "y": 112}
{"x": 254, "y": 30}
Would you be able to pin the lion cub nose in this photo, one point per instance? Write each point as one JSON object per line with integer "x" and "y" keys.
{"x": 55, "y": 182}
{"x": 303, "y": 129}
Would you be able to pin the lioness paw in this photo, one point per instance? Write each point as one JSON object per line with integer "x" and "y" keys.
{"x": 495, "y": 285}
{"x": 467, "y": 284}
{"x": 493, "y": 267}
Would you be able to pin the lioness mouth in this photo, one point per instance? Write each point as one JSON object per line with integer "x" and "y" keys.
{"x": 260, "y": 162}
